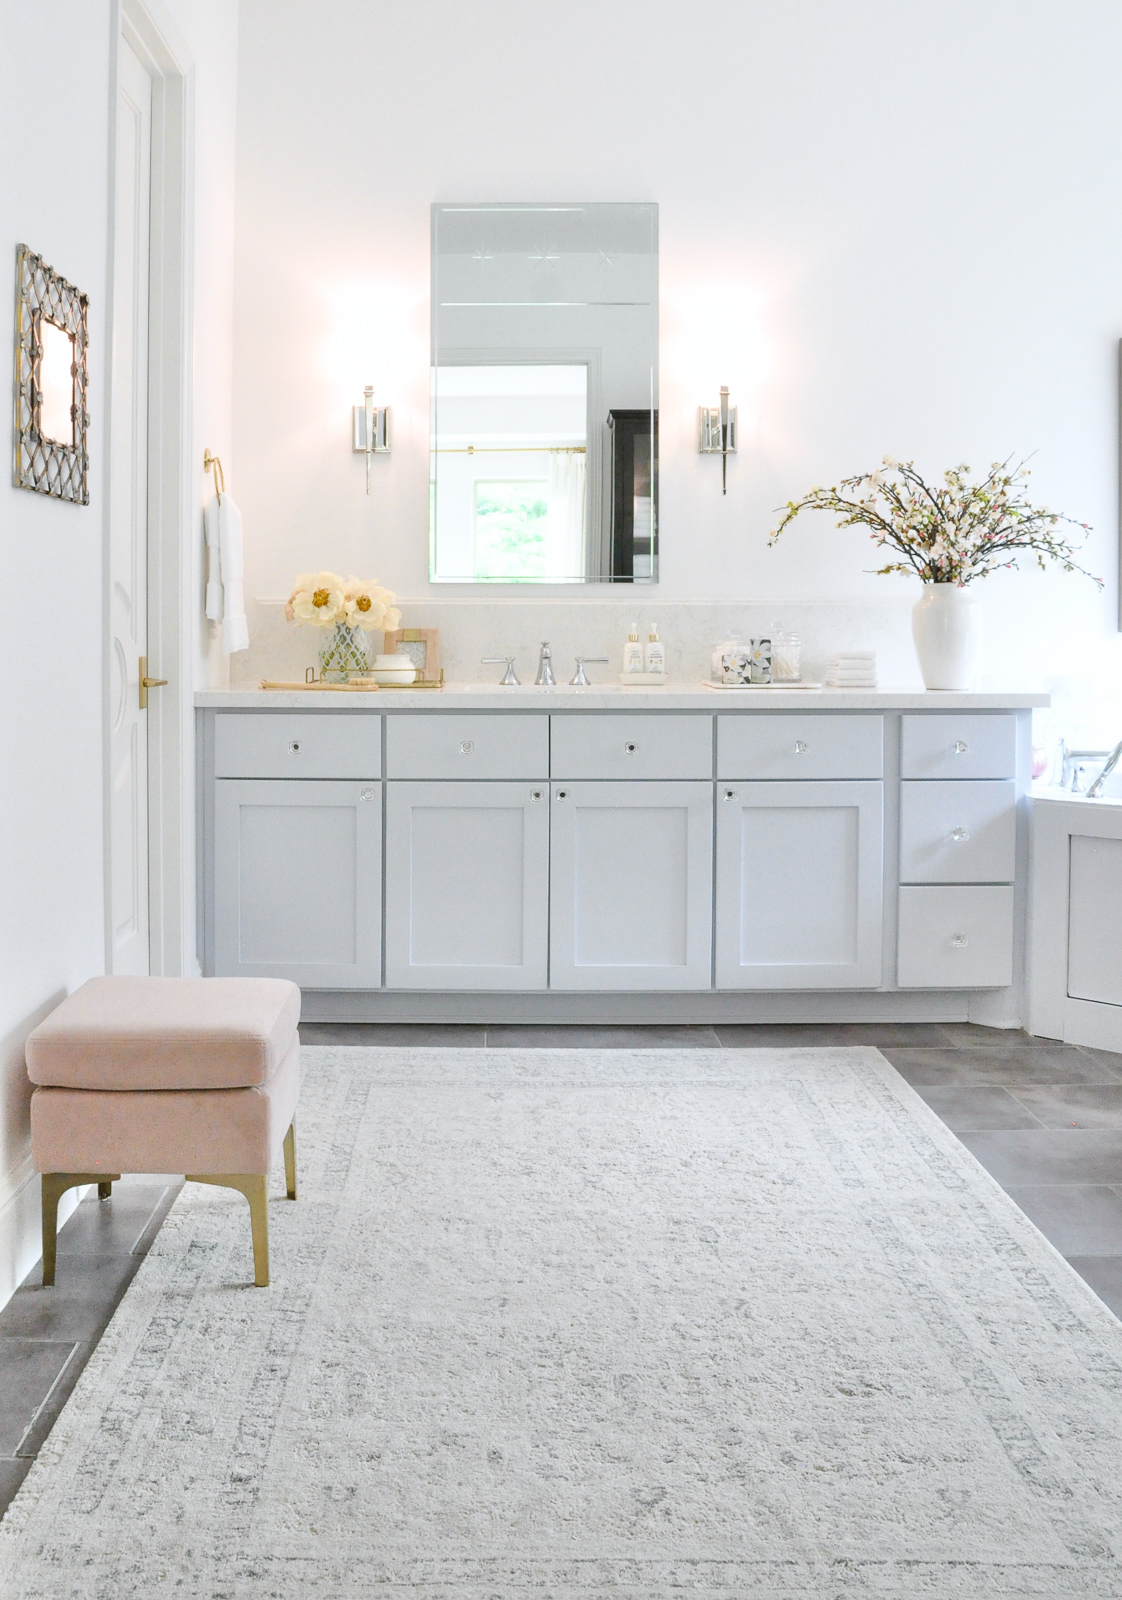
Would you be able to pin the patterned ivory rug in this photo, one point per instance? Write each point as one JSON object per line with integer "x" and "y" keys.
{"x": 701, "y": 1325}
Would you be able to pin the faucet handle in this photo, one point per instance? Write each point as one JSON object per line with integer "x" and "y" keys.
{"x": 580, "y": 678}
{"x": 509, "y": 678}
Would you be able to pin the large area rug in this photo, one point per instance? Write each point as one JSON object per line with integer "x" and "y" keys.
{"x": 665, "y": 1326}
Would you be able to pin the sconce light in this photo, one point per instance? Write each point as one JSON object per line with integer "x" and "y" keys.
{"x": 371, "y": 430}
{"x": 717, "y": 432}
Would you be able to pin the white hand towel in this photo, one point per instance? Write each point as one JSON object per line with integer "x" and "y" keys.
{"x": 235, "y": 629}
{"x": 213, "y": 577}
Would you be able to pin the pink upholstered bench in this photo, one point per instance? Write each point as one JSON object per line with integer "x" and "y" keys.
{"x": 198, "y": 1076}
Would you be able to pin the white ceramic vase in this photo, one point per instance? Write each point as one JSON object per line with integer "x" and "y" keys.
{"x": 947, "y": 629}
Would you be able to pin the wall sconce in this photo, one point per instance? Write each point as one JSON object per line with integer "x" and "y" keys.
{"x": 717, "y": 432}
{"x": 371, "y": 430}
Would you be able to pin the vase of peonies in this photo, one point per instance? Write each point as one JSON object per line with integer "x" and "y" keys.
{"x": 949, "y": 535}
{"x": 349, "y": 611}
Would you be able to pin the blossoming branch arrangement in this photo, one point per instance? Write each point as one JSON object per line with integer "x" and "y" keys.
{"x": 950, "y": 534}
{"x": 322, "y": 599}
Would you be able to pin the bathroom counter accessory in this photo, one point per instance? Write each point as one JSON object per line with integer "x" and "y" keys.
{"x": 738, "y": 688}
{"x": 321, "y": 687}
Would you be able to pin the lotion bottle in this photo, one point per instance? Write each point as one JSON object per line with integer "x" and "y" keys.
{"x": 633, "y": 651}
{"x": 655, "y": 652}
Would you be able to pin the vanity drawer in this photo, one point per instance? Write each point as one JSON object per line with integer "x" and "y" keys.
{"x": 436, "y": 745}
{"x": 297, "y": 744}
{"x": 584, "y": 745}
{"x": 958, "y": 832}
{"x": 955, "y": 937}
{"x": 947, "y": 745}
{"x": 772, "y": 746}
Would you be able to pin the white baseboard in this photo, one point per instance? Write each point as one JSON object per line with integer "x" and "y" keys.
{"x": 21, "y": 1238}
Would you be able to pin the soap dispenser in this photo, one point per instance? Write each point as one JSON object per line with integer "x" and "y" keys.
{"x": 633, "y": 651}
{"x": 655, "y": 652}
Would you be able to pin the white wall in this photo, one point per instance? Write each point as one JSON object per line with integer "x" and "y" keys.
{"x": 890, "y": 229}
{"x": 55, "y": 154}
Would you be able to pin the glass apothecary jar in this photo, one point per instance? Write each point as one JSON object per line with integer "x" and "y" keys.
{"x": 786, "y": 657}
{"x": 732, "y": 660}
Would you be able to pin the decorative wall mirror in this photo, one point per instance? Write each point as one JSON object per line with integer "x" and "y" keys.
{"x": 544, "y": 436}
{"x": 51, "y": 420}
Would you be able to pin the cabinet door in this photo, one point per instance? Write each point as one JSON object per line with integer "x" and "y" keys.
{"x": 631, "y": 886}
{"x": 467, "y": 885}
{"x": 800, "y": 885}
{"x": 298, "y": 882}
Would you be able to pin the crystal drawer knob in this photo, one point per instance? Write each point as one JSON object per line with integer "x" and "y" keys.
{"x": 562, "y": 794}
{"x": 535, "y": 794}
{"x": 800, "y": 748}
{"x": 631, "y": 747}
{"x": 961, "y": 747}
{"x": 466, "y": 747}
{"x": 960, "y": 835}
{"x": 959, "y": 941}
{"x": 368, "y": 794}
{"x": 294, "y": 746}
{"x": 729, "y": 794}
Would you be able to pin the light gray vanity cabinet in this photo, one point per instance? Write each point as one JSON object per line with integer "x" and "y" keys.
{"x": 467, "y": 885}
{"x": 631, "y": 885}
{"x": 800, "y": 885}
{"x": 298, "y": 881}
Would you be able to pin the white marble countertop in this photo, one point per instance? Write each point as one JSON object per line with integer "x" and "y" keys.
{"x": 1051, "y": 794}
{"x": 614, "y": 697}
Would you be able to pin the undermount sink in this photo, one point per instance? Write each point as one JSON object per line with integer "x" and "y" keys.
{"x": 532, "y": 688}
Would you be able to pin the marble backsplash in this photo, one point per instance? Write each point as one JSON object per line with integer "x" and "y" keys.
{"x": 470, "y": 629}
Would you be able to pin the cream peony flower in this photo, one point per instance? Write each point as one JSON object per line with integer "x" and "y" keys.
{"x": 368, "y": 606}
{"x": 316, "y": 599}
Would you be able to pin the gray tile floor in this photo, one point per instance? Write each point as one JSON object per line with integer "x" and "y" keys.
{"x": 1045, "y": 1119}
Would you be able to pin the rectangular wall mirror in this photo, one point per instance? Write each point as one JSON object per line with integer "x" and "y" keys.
{"x": 544, "y": 399}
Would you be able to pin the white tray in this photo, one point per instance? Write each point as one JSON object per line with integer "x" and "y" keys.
{"x": 793, "y": 683}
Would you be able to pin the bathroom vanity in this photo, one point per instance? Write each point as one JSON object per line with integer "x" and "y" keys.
{"x": 678, "y": 854}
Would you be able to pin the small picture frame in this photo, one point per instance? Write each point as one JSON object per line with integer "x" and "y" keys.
{"x": 50, "y": 454}
{"x": 421, "y": 645}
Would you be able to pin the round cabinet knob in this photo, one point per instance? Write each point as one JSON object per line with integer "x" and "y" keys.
{"x": 960, "y": 835}
{"x": 535, "y": 794}
{"x": 729, "y": 794}
{"x": 368, "y": 794}
{"x": 466, "y": 747}
{"x": 562, "y": 794}
{"x": 959, "y": 941}
{"x": 294, "y": 745}
{"x": 630, "y": 746}
{"x": 961, "y": 747}
{"x": 800, "y": 747}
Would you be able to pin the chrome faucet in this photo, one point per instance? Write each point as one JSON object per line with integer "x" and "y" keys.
{"x": 1111, "y": 762}
{"x": 581, "y": 679}
{"x": 509, "y": 679}
{"x": 545, "y": 678}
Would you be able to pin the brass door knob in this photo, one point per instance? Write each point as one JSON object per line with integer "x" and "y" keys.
{"x": 147, "y": 683}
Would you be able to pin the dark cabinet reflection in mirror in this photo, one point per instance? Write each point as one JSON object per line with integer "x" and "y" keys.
{"x": 544, "y": 394}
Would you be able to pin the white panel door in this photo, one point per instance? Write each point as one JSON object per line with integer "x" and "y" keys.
{"x": 631, "y": 886}
{"x": 800, "y": 885}
{"x": 128, "y": 526}
{"x": 467, "y": 885}
{"x": 298, "y": 882}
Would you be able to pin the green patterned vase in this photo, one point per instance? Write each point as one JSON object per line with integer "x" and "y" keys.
{"x": 344, "y": 654}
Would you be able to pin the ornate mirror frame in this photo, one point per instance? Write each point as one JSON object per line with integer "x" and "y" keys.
{"x": 42, "y": 464}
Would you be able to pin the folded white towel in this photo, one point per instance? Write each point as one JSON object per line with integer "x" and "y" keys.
{"x": 235, "y": 629}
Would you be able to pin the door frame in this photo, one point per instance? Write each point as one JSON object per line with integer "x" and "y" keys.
{"x": 171, "y": 849}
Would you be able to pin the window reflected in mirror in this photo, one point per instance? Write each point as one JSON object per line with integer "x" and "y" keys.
{"x": 544, "y": 394}
{"x": 56, "y": 384}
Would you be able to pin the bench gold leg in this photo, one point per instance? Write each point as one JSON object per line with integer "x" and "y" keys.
{"x": 255, "y": 1187}
{"x": 54, "y": 1186}
{"x": 105, "y": 1190}
{"x": 290, "y": 1160}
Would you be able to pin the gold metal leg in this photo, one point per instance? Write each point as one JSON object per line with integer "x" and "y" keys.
{"x": 290, "y": 1160}
{"x": 105, "y": 1190}
{"x": 54, "y": 1186}
{"x": 255, "y": 1187}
